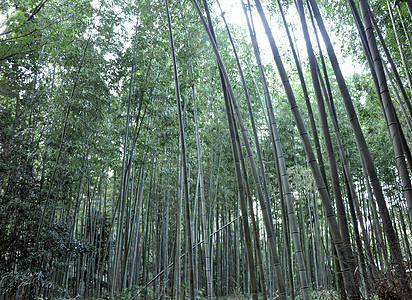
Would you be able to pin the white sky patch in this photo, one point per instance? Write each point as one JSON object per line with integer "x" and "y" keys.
{"x": 234, "y": 15}
{"x": 4, "y": 17}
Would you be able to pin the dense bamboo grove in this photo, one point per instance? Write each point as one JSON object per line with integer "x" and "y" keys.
{"x": 167, "y": 150}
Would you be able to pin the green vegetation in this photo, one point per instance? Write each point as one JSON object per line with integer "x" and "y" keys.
{"x": 168, "y": 150}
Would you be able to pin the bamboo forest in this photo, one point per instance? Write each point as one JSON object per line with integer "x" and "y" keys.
{"x": 205, "y": 149}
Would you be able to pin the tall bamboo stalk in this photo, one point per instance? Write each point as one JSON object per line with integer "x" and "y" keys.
{"x": 282, "y": 171}
{"x": 393, "y": 129}
{"x": 337, "y": 238}
{"x": 231, "y": 97}
{"x": 360, "y": 140}
{"x": 329, "y": 148}
{"x": 262, "y": 169}
{"x": 183, "y": 154}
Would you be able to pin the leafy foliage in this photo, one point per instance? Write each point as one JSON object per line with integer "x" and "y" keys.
{"x": 89, "y": 145}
